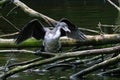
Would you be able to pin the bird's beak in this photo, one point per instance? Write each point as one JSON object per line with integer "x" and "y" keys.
{"x": 66, "y": 29}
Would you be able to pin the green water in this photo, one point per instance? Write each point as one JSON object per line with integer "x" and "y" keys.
{"x": 83, "y": 13}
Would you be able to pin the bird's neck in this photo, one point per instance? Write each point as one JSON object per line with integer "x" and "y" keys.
{"x": 57, "y": 33}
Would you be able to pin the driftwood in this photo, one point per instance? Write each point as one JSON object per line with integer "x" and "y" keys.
{"x": 16, "y": 51}
{"x": 47, "y": 55}
{"x": 111, "y": 72}
{"x": 68, "y": 55}
{"x": 91, "y": 40}
{"x": 105, "y": 63}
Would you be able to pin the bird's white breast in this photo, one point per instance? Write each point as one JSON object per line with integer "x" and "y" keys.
{"x": 51, "y": 42}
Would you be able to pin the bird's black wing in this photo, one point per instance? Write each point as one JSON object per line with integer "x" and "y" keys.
{"x": 33, "y": 29}
{"x": 75, "y": 32}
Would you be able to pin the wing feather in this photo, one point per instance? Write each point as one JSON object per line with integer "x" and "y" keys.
{"x": 75, "y": 32}
{"x": 33, "y": 29}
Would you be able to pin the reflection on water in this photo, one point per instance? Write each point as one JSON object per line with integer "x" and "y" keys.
{"x": 83, "y": 13}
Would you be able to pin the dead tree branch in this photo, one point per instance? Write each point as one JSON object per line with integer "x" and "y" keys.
{"x": 65, "y": 41}
{"x": 10, "y": 23}
{"x": 69, "y": 55}
{"x": 96, "y": 67}
{"x": 111, "y": 72}
{"x": 8, "y": 35}
{"x": 32, "y": 12}
{"x": 16, "y": 51}
{"x": 113, "y": 4}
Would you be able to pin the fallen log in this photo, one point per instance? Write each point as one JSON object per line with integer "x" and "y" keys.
{"x": 68, "y": 55}
{"x": 95, "y": 67}
{"x": 65, "y": 41}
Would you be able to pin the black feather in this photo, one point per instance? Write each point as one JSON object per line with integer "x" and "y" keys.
{"x": 75, "y": 32}
{"x": 33, "y": 29}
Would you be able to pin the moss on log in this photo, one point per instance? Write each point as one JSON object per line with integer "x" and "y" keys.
{"x": 65, "y": 41}
{"x": 10, "y": 43}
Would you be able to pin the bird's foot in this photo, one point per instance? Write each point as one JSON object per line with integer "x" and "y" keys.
{"x": 38, "y": 52}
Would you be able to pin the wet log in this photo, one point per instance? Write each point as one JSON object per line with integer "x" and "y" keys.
{"x": 65, "y": 41}
{"x": 111, "y": 72}
{"x": 10, "y": 43}
{"x": 44, "y": 55}
{"x": 95, "y": 67}
{"x": 70, "y": 55}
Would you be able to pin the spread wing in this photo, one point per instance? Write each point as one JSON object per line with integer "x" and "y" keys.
{"x": 33, "y": 29}
{"x": 75, "y": 32}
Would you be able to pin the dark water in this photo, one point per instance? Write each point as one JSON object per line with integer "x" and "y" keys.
{"x": 83, "y": 13}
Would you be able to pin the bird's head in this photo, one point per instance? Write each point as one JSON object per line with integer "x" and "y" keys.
{"x": 63, "y": 26}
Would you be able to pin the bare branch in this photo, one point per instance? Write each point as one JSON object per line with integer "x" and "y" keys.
{"x": 16, "y": 51}
{"x": 32, "y": 12}
{"x": 69, "y": 55}
{"x": 12, "y": 10}
{"x": 8, "y": 35}
{"x": 65, "y": 41}
{"x": 96, "y": 67}
{"x": 118, "y": 8}
{"x": 10, "y": 23}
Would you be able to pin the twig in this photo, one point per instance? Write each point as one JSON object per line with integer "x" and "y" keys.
{"x": 86, "y": 60}
{"x": 99, "y": 26}
{"x": 42, "y": 54}
{"x": 90, "y": 30}
{"x": 16, "y": 51}
{"x": 111, "y": 72}
{"x": 6, "y": 65}
{"x": 25, "y": 63}
{"x": 10, "y": 23}
{"x": 12, "y": 10}
{"x": 8, "y": 35}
